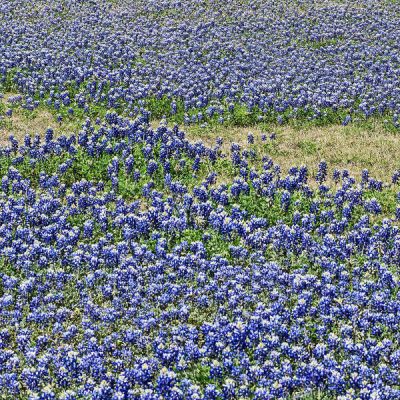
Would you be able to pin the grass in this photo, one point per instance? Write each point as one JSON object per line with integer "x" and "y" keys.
{"x": 24, "y": 122}
{"x": 357, "y": 146}
{"x": 360, "y": 145}
{"x": 235, "y": 114}
{"x": 354, "y": 147}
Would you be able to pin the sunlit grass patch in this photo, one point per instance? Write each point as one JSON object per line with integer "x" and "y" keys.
{"x": 354, "y": 147}
{"x": 23, "y": 121}
{"x": 357, "y": 146}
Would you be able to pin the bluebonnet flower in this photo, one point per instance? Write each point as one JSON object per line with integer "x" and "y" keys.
{"x": 396, "y": 177}
{"x": 285, "y": 200}
{"x": 346, "y": 120}
{"x": 152, "y": 167}
{"x": 373, "y": 206}
{"x": 322, "y": 172}
{"x": 136, "y": 175}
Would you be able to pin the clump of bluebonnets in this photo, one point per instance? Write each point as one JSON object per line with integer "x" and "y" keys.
{"x": 134, "y": 279}
{"x": 269, "y": 59}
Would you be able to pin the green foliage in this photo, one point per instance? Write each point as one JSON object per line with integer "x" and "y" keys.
{"x": 308, "y": 147}
{"x": 240, "y": 115}
{"x": 199, "y": 374}
{"x": 386, "y": 198}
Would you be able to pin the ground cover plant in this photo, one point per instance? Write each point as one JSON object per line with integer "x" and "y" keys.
{"x": 200, "y": 60}
{"x": 139, "y": 262}
{"x": 128, "y": 271}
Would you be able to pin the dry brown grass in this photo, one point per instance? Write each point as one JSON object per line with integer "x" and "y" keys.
{"x": 354, "y": 147}
{"x": 24, "y": 122}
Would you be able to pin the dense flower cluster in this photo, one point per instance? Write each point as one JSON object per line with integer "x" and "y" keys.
{"x": 288, "y": 58}
{"x": 128, "y": 270}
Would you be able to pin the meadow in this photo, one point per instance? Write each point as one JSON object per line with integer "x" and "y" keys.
{"x": 199, "y": 200}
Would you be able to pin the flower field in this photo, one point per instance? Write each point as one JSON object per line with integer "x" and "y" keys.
{"x": 201, "y": 60}
{"x": 138, "y": 264}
